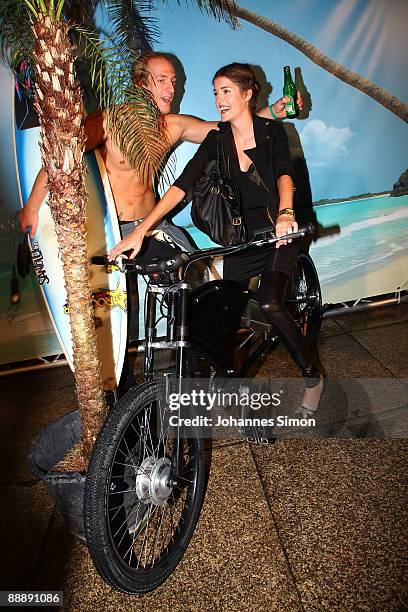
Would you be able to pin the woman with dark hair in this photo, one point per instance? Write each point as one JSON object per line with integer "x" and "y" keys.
{"x": 260, "y": 165}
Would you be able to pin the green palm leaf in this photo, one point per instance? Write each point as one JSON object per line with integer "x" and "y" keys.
{"x": 219, "y": 9}
{"x": 133, "y": 28}
{"x": 16, "y": 36}
{"x": 135, "y": 127}
{"x": 131, "y": 112}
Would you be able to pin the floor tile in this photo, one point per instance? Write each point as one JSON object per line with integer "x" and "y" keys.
{"x": 389, "y": 345}
{"x": 25, "y": 515}
{"x": 374, "y": 317}
{"x": 342, "y": 515}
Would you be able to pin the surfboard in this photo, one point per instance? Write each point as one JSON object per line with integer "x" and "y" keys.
{"x": 108, "y": 288}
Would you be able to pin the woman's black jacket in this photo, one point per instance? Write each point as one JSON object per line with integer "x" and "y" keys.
{"x": 270, "y": 157}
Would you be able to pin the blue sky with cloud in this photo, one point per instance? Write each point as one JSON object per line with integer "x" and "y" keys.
{"x": 325, "y": 146}
{"x": 352, "y": 144}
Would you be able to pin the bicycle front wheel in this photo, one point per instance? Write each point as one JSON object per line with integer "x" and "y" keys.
{"x": 139, "y": 514}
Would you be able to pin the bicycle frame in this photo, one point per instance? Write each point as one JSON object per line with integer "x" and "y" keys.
{"x": 176, "y": 330}
{"x": 204, "y": 319}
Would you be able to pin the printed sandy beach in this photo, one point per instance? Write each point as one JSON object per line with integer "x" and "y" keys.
{"x": 372, "y": 278}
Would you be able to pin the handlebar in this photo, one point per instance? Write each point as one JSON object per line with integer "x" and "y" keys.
{"x": 184, "y": 259}
{"x": 261, "y": 238}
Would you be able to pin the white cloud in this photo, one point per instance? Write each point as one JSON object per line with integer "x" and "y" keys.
{"x": 324, "y": 145}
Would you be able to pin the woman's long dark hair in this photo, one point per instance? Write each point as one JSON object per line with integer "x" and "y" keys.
{"x": 243, "y": 76}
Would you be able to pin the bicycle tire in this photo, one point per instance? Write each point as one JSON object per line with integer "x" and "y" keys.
{"x": 304, "y": 299}
{"x": 116, "y": 551}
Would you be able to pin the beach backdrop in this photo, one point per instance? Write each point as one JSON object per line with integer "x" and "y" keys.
{"x": 356, "y": 150}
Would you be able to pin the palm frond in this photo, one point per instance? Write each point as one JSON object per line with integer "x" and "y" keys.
{"x": 223, "y": 10}
{"x": 138, "y": 129}
{"x": 109, "y": 72}
{"x": 133, "y": 118}
{"x": 103, "y": 61}
{"x": 134, "y": 29}
{"x": 16, "y": 36}
{"x": 80, "y": 11}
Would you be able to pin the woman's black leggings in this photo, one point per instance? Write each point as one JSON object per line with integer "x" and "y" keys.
{"x": 272, "y": 291}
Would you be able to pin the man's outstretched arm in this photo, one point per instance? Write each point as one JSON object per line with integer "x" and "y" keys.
{"x": 188, "y": 128}
{"x": 192, "y": 129}
{"x": 29, "y": 214}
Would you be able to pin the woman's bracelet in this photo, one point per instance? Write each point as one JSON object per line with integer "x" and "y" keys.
{"x": 273, "y": 113}
{"x": 286, "y": 211}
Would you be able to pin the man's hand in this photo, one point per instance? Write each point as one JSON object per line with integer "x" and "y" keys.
{"x": 285, "y": 224}
{"x": 279, "y": 106}
{"x": 28, "y": 220}
{"x": 132, "y": 242}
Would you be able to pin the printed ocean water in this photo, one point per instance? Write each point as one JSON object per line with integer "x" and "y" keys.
{"x": 369, "y": 256}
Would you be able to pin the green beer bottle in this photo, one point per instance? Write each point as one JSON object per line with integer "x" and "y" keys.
{"x": 289, "y": 90}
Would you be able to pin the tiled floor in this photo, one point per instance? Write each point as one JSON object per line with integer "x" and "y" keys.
{"x": 304, "y": 524}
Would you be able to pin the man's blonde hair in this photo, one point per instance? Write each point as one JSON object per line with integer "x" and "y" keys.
{"x": 140, "y": 71}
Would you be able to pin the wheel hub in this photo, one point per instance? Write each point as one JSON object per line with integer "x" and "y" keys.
{"x": 152, "y": 481}
{"x": 302, "y": 291}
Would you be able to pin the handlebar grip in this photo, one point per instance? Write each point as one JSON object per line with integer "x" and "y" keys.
{"x": 304, "y": 230}
{"x": 309, "y": 229}
{"x": 99, "y": 260}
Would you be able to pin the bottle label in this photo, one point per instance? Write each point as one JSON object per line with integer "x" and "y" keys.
{"x": 290, "y": 106}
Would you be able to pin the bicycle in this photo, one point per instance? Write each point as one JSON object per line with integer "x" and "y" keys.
{"x": 145, "y": 485}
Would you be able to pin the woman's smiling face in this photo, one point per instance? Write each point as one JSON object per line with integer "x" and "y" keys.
{"x": 230, "y": 100}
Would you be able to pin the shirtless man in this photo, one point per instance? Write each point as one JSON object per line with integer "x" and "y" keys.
{"x": 134, "y": 199}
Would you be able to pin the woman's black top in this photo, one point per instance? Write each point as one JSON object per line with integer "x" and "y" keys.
{"x": 254, "y": 198}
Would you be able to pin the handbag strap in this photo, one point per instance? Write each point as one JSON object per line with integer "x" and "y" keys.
{"x": 222, "y": 165}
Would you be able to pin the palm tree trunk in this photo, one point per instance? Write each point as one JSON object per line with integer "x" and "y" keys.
{"x": 354, "y": 79}
{"x": 59, "y": 106}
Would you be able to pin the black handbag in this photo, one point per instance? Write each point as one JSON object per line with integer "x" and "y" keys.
{"x": 216, "y": 207}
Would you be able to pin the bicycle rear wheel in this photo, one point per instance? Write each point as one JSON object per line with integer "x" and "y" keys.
{"x": 139, "y": 514}
{"x": 304, "y": 300}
